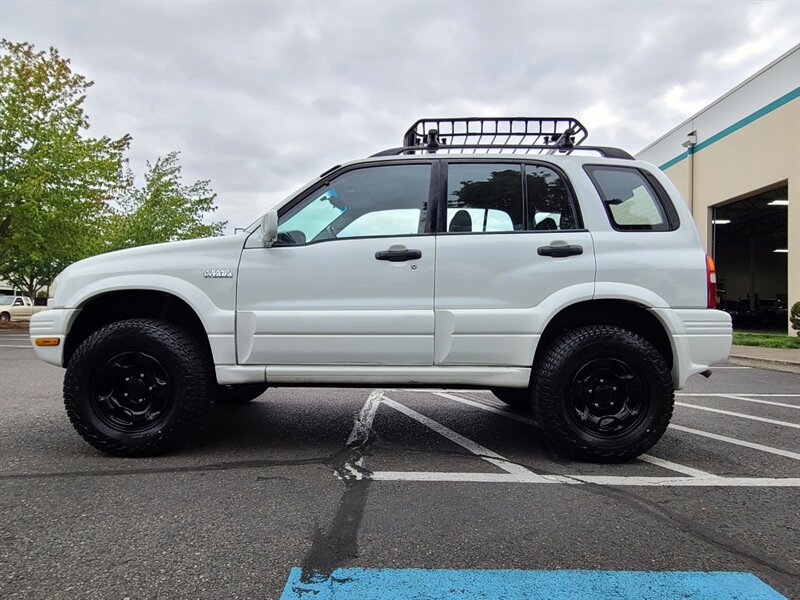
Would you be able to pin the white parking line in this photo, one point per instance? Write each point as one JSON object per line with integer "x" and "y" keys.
{"x": 666, "y": 464}
{"x": 500, "y": 411}
{"x": 518, "y": 474}
{"x": 468, "y": 444}
{"x": 737, "y": 442}
{"x": 739, "y": 415}
{"x": 738, "y": 397}
{"x": 672, "y": 466}
{"x": 363, "y": 423}
{"x": 749, "y": 395}
{"x": 713, "y": 481}
{"x": 713, "y": 436}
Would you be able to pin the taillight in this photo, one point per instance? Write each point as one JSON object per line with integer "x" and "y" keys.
{"x": 711, "y": 282}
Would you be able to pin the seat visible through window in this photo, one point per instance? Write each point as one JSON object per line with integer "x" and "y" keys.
{"x": 461, "y": 222}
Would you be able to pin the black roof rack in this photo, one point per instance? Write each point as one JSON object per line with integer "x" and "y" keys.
{"x": 543, "y": 135}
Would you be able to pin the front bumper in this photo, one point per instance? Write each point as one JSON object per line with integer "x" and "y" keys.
{"x": 52, "y": 323}
{"x": 700, "y": 338}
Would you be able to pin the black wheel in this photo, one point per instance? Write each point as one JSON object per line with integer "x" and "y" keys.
{"x": 137, "y": 387}
{"x": 237, "y": 394}
{"x": 515, "y": 398}
{"x": 5, "y": 316}
{"x": 602, "y": 393}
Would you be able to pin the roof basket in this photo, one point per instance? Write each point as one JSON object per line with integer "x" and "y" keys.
{"x": 503, "y": 135}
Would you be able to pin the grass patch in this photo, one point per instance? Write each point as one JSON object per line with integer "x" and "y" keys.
{"x": 766, "y": 340}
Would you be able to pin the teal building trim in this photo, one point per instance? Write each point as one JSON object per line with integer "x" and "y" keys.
{"x": 775, "y": 104}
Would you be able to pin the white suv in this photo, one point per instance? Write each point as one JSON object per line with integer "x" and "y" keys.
{"x": 485, "y": 253}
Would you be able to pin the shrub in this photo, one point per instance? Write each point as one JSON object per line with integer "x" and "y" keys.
{"x": 794, "y": 317}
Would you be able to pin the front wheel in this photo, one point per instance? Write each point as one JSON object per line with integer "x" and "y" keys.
{"x": 602, "y": 393}
{"x": 137, "y": 387}
{"x": 4, "y": 316}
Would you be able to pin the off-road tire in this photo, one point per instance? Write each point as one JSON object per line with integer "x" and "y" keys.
{"x": 185, "y": 367}
{"x": 561, "y": 369}
{"x": 520, "y": 399}
{"x": 237, "y": 394}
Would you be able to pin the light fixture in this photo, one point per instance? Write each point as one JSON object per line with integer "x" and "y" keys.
{"x": 778, "y": 203}
{"x": 781, "y": 250}
{"x": 691, "y": 140}
{"x": 720, "y": 221}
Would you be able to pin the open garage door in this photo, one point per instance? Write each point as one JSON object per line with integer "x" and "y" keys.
{"x": 751, "y": 251}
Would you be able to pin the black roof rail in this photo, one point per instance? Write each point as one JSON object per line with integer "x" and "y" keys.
{"x": 546, "y": 135}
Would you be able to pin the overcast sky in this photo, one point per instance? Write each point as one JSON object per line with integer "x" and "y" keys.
{"x": 259, "y": 97}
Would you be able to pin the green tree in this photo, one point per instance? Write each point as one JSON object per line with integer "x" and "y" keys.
{"x": 164, "y": 209}
{"x": 54, "y": 180}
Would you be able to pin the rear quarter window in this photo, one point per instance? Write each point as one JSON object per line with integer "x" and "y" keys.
{"x": 631, "y": 201}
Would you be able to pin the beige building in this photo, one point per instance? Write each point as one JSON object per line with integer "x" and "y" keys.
{"x": 737, "y": 165}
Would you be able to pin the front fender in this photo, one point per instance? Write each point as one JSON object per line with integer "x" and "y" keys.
{"x": 216, "y": 320}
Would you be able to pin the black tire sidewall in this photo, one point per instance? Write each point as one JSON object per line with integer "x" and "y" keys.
{"x": 563, "y": 360}
{"x": 180, "y": 358}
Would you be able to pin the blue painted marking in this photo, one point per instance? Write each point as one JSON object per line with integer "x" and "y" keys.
{"x": 785, "y": 99}
{"x": 423, "y": 584}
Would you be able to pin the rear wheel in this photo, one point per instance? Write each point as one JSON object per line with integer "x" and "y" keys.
{"x": 238, "y": 394}
{"x": 602, "y": 393}
{"x": 137, "y": 387}
{"x": 515, "y": 398}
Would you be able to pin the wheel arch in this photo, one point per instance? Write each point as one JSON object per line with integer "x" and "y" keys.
{"x": 623, "y": 313}
{"x": 111, "y": 306}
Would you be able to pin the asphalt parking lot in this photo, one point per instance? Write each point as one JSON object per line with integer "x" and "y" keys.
{"x": 310, "y": 493}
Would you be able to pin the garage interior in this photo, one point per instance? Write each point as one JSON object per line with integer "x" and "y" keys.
{"x": 750, "y": 238}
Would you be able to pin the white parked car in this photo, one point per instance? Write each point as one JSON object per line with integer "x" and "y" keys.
{"x": 485, "y": 253}
{"x": 17, "y": 308}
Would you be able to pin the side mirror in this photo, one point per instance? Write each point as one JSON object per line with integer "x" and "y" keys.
{"x": 269, "y": 228}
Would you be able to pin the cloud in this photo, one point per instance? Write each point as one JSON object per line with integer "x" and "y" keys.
{"x": 261, "y": 97}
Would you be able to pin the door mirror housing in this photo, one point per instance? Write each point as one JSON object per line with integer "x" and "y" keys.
{"x": 269, "y": 228}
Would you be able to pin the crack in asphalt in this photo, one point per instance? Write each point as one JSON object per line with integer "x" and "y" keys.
{"x": 781, "y": 571}
{"x": 339, "y": 542}
{"x": 225, "y": 466}
{"x": 753, "y": 557}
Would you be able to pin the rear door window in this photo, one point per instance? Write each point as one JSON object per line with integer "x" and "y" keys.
{"x": 484, "y": 197}
{"x": 549, "y": 203}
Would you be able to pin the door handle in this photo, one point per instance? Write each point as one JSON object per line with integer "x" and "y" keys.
{"x": 559, "y": 251}
{"x": 398, "y": 255}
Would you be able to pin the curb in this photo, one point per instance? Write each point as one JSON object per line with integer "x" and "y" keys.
{"x": 787, "y": 366}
